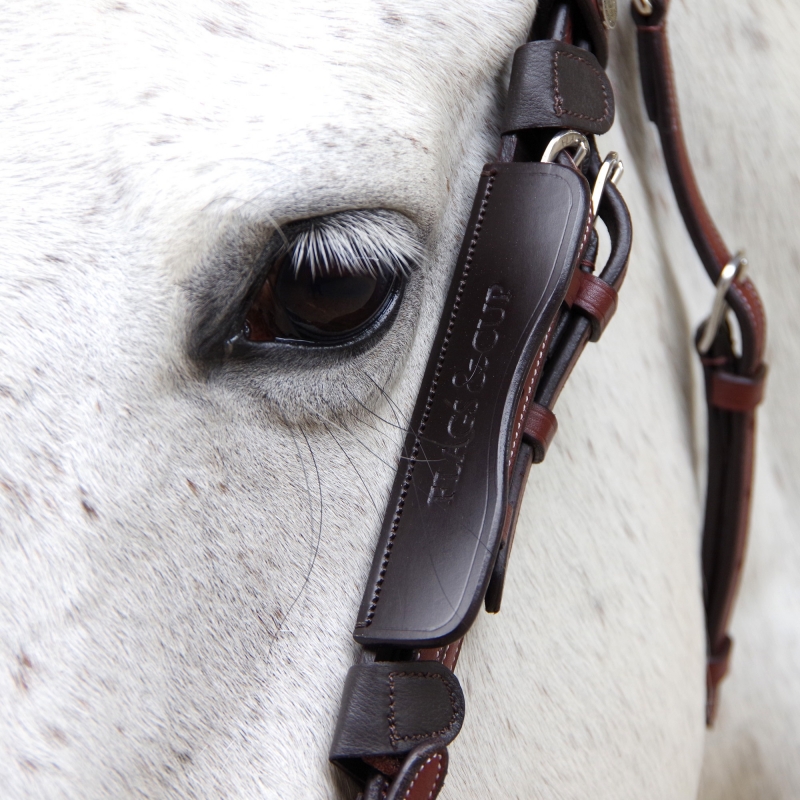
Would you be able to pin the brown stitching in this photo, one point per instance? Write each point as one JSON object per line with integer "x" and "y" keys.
{"x": 559, "y": 100}
{"x": 398, "y": 513}
{"x": 393, "y": 737}
{"x": 435, "y": 787}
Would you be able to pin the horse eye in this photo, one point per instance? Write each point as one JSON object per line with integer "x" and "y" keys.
{"x": 299, "y": 304}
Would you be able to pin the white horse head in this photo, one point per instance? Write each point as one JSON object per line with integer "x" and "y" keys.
{"x": 186, "y": 530}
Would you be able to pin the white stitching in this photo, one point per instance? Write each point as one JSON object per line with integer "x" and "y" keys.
{"x": 435, "y": 787}
{"x": 531, "y": 386}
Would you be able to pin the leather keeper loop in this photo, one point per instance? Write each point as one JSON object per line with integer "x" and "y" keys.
{"x": 556, "y": 85}
{"x": 597, "y": 300}
{"x": 735, "y": 392}
{"x": 390, "y": 708}
{"x": 540, "y": 428}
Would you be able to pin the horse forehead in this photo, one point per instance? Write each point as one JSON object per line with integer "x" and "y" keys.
{"x": 303, "y": 107}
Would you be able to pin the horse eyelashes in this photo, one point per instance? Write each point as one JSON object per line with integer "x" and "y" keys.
{"x": 298, "y": 304}
{"x": 338, "y": 277}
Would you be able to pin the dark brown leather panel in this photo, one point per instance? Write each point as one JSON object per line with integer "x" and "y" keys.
{"x": 557, "y": 85}
{"x": 389, "y": 708}
{"x": 442, "y": 529}
{"x": 467, "y": 454}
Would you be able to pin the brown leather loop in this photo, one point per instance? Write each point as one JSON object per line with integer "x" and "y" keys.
{"x": 540, "y": 428}
{"x": 557, "y": 85}
{"x": 736, "y": 392}
{"x": 598, "y": 300}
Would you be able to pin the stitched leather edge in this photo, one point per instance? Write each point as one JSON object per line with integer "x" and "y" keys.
{"x": 393, "y": 737}
{"x": 436, "y": 781}
{"x": 367, "y": 621}
{"x": 559, "y": 100}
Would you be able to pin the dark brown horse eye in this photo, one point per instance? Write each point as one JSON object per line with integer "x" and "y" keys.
{"x": 300, "y": 305}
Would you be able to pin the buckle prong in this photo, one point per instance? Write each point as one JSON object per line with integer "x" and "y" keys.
{"x": 734, "y": 270}
{"x": 610, "y": 172}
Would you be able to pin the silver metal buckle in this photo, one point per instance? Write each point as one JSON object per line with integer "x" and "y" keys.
{"x": 610, "y": 172}
{"x": 564, "y": 140}
{"x": 734, "y": 270}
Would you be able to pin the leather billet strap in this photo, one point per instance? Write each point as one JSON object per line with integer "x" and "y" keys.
{"x": 522, "y": 304}
{"x": 734, "y": 383}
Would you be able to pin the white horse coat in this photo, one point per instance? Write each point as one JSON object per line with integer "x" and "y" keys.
{"x": 183, "y": 547}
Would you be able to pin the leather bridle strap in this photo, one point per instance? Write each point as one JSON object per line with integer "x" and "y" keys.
{"x": 521, "y": 306}
{"x": 734, "y": 383}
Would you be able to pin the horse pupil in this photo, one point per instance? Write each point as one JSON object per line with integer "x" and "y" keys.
{"x": 295, "y": 304}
